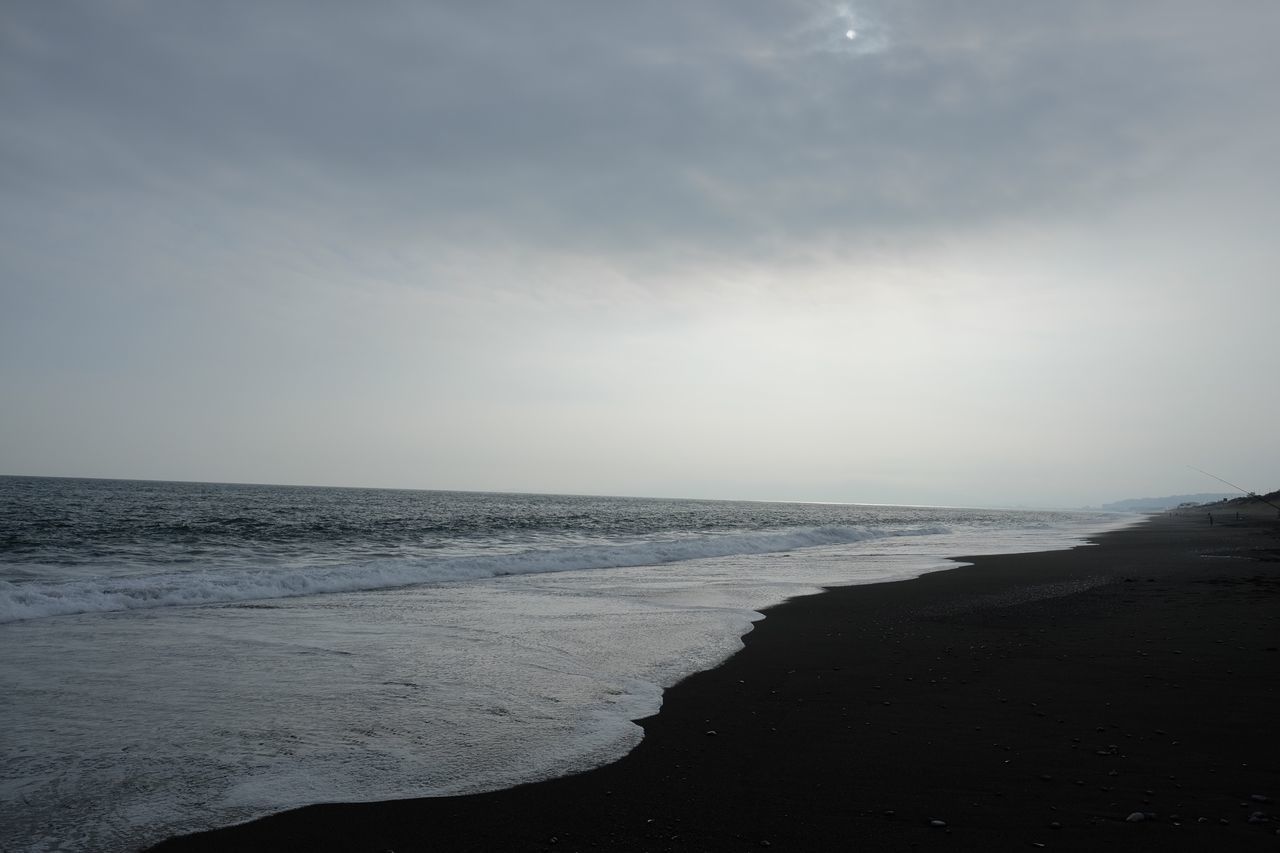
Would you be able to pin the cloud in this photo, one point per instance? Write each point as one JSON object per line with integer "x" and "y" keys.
{"x": 503, "y": 211}
{"x": 607, "y": 131}
{"x": 430, "y": 139}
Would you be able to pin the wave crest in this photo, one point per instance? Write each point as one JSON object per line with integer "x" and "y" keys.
{"x": 33, "y": 600}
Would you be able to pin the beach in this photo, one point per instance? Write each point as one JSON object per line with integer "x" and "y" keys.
{"x": 1120, "y": 695}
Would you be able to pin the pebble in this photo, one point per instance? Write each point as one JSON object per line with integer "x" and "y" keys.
{"x": 1135, "y": 817}
{"x": 937, "y": 823}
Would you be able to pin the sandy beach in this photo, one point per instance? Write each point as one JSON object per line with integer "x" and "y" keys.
{"x": 1115, "y": 696}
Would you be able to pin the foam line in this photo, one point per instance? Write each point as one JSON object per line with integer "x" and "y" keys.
{"x": 33, "y": 600}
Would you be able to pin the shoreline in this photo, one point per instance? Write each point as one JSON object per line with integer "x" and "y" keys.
{"x": 1022, "y": 699}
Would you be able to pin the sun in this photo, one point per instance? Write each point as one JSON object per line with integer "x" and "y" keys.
{"x": 851, "y": 34}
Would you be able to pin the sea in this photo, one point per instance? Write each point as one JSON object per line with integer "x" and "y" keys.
{"x": 181, "y": 656}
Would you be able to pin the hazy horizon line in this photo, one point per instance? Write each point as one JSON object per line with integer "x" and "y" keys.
{"x": 1024, "y": 506}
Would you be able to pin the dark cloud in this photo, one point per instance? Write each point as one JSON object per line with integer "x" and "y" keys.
{"x": 611, "y": 128}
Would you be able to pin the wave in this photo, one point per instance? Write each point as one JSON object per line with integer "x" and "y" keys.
{"x": 33, "y": 600}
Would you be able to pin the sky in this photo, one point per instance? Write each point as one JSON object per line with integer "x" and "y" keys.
{"x": 990, "y": 253}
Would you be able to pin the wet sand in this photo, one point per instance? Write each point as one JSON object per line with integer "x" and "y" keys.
{"x": 1034, "y": 700}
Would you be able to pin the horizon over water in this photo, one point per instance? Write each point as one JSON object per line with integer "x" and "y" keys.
{"x": 185, "y": 655}
{"x": 767, "y": 500}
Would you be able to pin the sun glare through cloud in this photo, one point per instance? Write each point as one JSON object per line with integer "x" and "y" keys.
{"x": 838, "y": 29}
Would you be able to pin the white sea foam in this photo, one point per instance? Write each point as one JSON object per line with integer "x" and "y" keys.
{"x": 35, "y": 599}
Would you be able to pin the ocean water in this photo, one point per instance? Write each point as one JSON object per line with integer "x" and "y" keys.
{"x": 178, "y": 656}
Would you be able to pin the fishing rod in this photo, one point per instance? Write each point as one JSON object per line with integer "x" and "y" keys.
{"x": 1237, "y": 488}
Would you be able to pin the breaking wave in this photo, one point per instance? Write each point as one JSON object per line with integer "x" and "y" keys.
{"x": 36, "y": 599}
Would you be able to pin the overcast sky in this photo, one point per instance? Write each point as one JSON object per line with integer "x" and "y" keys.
{"x": 985, "y": 253}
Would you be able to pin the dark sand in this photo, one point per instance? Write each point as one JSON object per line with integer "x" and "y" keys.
{"x": 1026, "y": 701}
